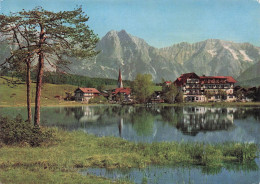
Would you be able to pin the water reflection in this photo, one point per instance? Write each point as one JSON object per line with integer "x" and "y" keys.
{"x": 229, "y": 174}
{"x": 140, "y": 124}
{"x": 120, "y": 126}
{"x": 202, "y": 119}
{"x": 189, "y": 120}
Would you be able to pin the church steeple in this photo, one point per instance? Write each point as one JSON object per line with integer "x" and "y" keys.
{"x": 119, "y": 81}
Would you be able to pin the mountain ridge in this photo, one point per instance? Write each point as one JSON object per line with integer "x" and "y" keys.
{"x": 133, "y": 55}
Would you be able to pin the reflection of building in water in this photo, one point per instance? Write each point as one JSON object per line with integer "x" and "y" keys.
{"x": 88, "y": 114}
{"x": 120, "y": 126}
{"x": 203, "y": 119}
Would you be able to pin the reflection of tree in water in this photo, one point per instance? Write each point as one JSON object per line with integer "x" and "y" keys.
{"x": 203, "y": 119}
{"x": 232, "y": 166}
{"x": 120, "y": 126}
{"x": 78, "y": 112}
{"x": 143, "y": 122}
{"x": 112, "y": 114}
{"x": 245, "y": 112}
{"x": 171, "y": 115}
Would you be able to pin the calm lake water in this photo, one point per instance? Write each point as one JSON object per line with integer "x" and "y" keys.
{"x": 156, "y": 124}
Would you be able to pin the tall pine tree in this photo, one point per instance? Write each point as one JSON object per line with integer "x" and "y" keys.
{"x": 51, "y": 39}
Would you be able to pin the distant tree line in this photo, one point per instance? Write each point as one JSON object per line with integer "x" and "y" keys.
{"x": 65, "y": 78}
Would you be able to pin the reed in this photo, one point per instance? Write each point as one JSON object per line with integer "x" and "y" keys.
{"x": 60, "y": 161}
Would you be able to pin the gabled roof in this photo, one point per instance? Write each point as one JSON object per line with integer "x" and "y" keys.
{"x": 88, "y": 90}
{"x": 127, "y": 91}
{"x": 168, "y": 82}
{"x": 183, "y": 78}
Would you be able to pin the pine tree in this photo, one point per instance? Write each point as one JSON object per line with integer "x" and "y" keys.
{"x": 52, "y": 39}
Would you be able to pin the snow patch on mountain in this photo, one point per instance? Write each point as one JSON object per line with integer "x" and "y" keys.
{"x": 246, "y": 57}
{"x": 234, "y": 54}
{"x": 212, "y": 52}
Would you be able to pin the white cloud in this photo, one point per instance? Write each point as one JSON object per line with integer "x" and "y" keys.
{"x": 258, "y": 1}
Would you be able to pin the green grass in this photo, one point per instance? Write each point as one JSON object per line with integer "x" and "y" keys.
{"x": 59, "y": 161}
{"x": 157, "y": 88}
{"x": 14, "y": 94}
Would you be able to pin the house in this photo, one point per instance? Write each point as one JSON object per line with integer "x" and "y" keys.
{"x": 156, "y": 97}
{"x": 206, "y": 88}
{"x": 167, "y": 83}
{"x": 85, "y": 94}
{"x": 121, "y": 94}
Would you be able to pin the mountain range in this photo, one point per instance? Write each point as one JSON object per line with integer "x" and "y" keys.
{"x": 119, "y": 49}
{"x": 133, "y": 55}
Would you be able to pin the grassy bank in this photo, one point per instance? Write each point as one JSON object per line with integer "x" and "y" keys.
{"x": 59, "y": 161}
{"x": 14, "y": 93}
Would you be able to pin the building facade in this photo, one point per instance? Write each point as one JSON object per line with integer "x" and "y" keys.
{"x": 85, "y": 94}
{"x": 206, "y": 88}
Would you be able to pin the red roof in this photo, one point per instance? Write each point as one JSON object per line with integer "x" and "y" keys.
{"x": 168, "y": 82}
{"x": 88, "y": 90}
{"x": 183, "y": 78}
{"x": 127, "y": 91}
{"x": 228, "y": 78}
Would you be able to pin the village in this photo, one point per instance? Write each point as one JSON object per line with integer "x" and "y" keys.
{"x": 190, "y": 86}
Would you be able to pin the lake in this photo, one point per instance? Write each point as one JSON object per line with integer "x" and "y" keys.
{"x": 157, "y": 124}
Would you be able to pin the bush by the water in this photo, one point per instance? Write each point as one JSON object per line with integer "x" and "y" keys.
{"x": 16, "y": 131}
{"x": 98, "y": 100}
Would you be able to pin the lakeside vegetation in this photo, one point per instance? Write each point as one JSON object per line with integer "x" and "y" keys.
{"x": 60, "y": 159}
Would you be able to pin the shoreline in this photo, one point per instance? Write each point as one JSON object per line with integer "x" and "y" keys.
{"x": 208, "y": 104}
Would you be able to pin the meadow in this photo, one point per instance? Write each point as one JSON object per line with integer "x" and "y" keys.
{"x": 60, "y": 159}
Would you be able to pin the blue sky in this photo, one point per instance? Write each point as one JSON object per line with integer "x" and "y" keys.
{"x": 162, "y": 22}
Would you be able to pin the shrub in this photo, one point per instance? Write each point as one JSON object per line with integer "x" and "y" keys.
{"x": 242, "y": 151}
{"x": 16, "y": 131}
{"x": 98, "y": 99}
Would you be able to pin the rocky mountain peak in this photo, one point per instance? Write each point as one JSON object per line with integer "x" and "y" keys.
{"x": 134, "y": 55}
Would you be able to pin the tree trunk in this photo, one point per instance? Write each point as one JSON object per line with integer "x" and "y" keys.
{"x": 38, "y": 91}
{"x": 39, "y": 79}
{"x": 28, "y": 83}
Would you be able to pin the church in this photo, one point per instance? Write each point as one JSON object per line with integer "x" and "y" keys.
{"x": 121, "y": 93}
